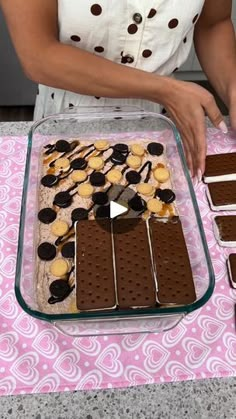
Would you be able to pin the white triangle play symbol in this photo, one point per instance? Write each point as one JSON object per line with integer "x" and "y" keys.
{"x": 116, "y": 209}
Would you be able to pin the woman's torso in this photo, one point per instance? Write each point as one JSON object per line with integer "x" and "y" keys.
{"x": 152, "y": 35}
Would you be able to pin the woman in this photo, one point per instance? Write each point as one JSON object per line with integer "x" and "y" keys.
{"x": 101, "y": 52}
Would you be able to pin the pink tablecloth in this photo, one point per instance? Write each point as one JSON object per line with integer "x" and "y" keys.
{"x": 35, "y": 357}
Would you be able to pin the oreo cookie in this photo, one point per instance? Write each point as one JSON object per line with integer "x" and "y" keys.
{"x": 62, "y": 146}
{"x": 118, "y": 158}
{"x": 155, "y": 149}
{"x": 103, "y": 211}
{"x": 79, "y": 214}
{"x": 62, "y": 199}
{"x": 137, "y": 203}
{"x": 68, "y": 250}
{"x": 47, "y": 215}
{"x": 49, "y": 181}
{"x": 46, "y": 251}
{"x": 100, "y": 198}
{"x": 133, "y": 177}
{"x": 121, "y": 148}
{"x": 97, "y": 179}
{"x": 79, "y": 164}
{"x": 59, "y": 288}
{"x": 166, "y": 195}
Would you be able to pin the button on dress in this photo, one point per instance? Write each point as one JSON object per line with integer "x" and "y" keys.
{"x": 154, "y": 36}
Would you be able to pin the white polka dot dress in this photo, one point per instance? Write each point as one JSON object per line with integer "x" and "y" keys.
{"x": 152, "y": 35}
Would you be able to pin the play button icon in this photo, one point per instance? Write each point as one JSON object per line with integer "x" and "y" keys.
{"x": 117, "y": 209}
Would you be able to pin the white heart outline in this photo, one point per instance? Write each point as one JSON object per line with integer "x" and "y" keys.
{"x": 116, "y": 369}
{"x": 148, "y": 347}
{"x": 95, "y": 376}
{"x": 12, "y": 352}
{"x": 188, "y": 345}
{"x": 74, "y": 374}
{"x": 51, "y": 336}
{"x": 132, "y": 372}
{"x": 32, "y": 376}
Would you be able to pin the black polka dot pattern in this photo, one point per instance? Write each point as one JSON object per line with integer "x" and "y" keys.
{"x": 173, "y": 23}
{"x": 132, "y": 29}
{"x": 97, "y": 97}
{"x": 99, "y": 49}
{"x": 152, "y": 13}
{"x": 96, "y": 9}
{"x": 195, "y": 19}
{"x": 185, "y": 40}
{"x": 75, "y": 38}
{"x": 52, "y": 95}
{"x": 147, "y": 53}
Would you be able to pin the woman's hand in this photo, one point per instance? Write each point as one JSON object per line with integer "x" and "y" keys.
{"x": 187, "y": 103}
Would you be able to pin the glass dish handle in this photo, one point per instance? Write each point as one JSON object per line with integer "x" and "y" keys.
{"x": 118, "y": 326}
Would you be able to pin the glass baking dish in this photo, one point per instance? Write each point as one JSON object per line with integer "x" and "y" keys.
{"x": 109, "y": 121}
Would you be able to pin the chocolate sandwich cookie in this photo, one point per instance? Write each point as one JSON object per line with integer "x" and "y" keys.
{"x": 95, "y": 283}
{"x": 133, "y": 177}
{"x": 103, "y": 211}
{"x": 137, "y": 203}
{"x": 62, "y": 199}
{"x": 155, "y": 149}
{"x": 79, "y": 214}
{"x": 225, "y": 230}
{"x": 100, "y": 198}
{"x": 79, "y": 164}
{"x": 47, "y": 215}
{"x": 171, "y": 261}
{"x": 166, "y": 195}
{"x": 68, "y": 250}
{"x": 118, "y": 158}
{"x": 46, "y": 251}
{"x": 59, "y": 289}
{"x": 222, "y": 195}
{"x": 134, "y": 274}
{"x": 62, "y": 146}
{"x": 49, "y": 181}
{"x": 220, "y": 167}
{"x": 97, "y": 179}
{"x": 231, "y": 265}
{"x": 121, "y": 148}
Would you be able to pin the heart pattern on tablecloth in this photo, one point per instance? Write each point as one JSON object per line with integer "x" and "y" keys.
{"x": 37, "y": 358}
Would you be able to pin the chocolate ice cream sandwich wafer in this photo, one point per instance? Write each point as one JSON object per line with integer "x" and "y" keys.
{"x": 222, "y": 195}
{"x": 231, "y": 265}
{"x": 134, "y": 273}
{"x": 224, "y": 227}
{"x": 220, "y": 167}
{"x": 95, "y": 282}
{"x": 174, "y": 274}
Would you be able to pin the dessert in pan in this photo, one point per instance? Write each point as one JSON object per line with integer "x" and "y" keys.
{"x": 78, "y": 181}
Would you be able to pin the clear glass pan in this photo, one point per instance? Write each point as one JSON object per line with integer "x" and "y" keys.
{"x": 97, "y": 121}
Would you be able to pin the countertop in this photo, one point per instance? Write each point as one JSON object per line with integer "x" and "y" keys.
{"x": 210, "y": 398}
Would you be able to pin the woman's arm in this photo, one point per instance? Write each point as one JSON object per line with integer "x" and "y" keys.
{"x": 215, "y": 44}
{"x": 34, "y": 31}
{"x": 33, "y": 27}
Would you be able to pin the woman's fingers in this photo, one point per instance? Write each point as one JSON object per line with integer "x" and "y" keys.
{"x": 188, "y": 157}
{"x": 212, "y": 110}
{"x": 200, "y": 144}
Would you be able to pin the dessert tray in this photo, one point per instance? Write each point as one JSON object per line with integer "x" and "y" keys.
{"x": 88, "y": 272}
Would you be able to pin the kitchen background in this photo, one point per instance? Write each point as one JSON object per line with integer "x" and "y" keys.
{"x": 17, "y": 93}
